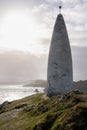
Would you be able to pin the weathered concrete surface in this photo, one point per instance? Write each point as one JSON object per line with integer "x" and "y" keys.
{"x": 59, "y": 75}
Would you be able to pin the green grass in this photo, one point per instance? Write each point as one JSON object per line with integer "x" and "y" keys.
{"x": 39, "y": 112}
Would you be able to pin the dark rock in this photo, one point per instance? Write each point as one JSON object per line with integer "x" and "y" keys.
{"x": 20, "y": 106}
{"x": 36, "y": 90}
{"x": 3, "y": 106}
{"x": 76, "y": 91}
{"x": 45, "y": 109}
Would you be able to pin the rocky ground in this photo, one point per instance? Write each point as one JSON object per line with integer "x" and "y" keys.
{"x": 39, "y": 112}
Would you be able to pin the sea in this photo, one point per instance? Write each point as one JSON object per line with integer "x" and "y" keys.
{"x": 15, "y": 92}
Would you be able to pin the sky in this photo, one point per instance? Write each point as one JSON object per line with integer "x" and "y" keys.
{"x": 26, "y": 28}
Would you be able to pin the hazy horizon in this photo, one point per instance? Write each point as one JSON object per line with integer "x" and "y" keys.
{"x": 26, "y": 28}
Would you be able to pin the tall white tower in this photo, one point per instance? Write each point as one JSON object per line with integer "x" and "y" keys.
{"x": 59, "y": 73}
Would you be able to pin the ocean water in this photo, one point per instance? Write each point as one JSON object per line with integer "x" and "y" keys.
{"x": 14, "y": 92}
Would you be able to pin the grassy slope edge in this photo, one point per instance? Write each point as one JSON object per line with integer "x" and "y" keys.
{"x": 39, "y": 112}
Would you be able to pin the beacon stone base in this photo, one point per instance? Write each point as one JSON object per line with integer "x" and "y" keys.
{"x": 59, "y": 75}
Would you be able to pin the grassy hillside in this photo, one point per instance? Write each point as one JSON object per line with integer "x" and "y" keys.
{"x": 39, "y": 112}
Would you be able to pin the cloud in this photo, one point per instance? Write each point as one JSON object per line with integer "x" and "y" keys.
{"x": 79, "y": 63}
{"x": 74, "y": 12}
{"x": 45, "y": 12}
{"x": 21, "y": 66}
{"x": 18, "y": 67}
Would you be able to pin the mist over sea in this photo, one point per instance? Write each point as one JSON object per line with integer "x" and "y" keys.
{"x": 14, "y": 92}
